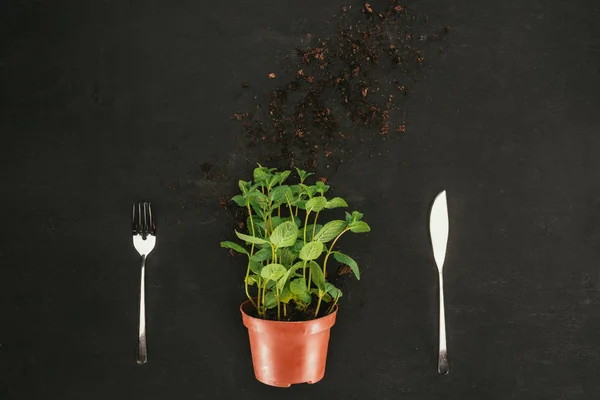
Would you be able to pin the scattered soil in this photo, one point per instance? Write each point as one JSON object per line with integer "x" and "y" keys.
{"x": 349, "y": 88}
{"x": 344, "y": 270}
{"x": 334, "y": 95}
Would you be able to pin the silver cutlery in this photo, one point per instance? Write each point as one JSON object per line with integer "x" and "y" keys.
{"x": 144, "y": 239}
{"x": 438, "y": 229}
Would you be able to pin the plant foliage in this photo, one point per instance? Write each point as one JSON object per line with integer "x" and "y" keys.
{"x": 288, "y": 250}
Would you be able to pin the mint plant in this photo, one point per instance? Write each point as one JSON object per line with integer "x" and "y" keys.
{"x": 285, "y": 243}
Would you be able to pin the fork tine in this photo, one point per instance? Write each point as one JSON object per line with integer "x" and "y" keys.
{"x": 152, "y": 224}
{"x": 142, "y": 219}
{"x": 133, "y": 223}
{"x": 139, "y": 219}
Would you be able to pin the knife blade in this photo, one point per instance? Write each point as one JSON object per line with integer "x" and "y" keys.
{"x": 438, "y": 230}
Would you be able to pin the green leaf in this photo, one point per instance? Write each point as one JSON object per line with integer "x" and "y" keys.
{"x": 288, "y": 196}
{"x": 286, "y": 295}
{"x": 297, "y": 246}
{"x": 296, "y": 267}
{"x": 270, "y": 300}
{"x": 284, "y": 279}
{"x": 259, "y": 227}
{"x": 259, "y": 198}
{"x": 316, "y": 203}
{"x": 322, "y": 294}
{"x": 239, "y": 200}
{"x": 359, "y": 227}
{"x": 336, "y": 202}
{"x": 348, "y": 218}
{"x": 234, "y": 246}
{"x": 271, "y": 209}
{"x": 261, "y": 174}
{"x": 300, "y": 203}
{"x": 299, "y": 288}
{"x": 308, "y": 190}
{"x": 284, "y": 235}
{"x": 286, "y": 256}
{"x": 272, "y": 272}
{"x": 317, "y": 276}
{"x": 252, "y": 280}
{"x": 321, "y": 187}
{"x": 311, "y": 251}
{"x": 309, "y": 229}
{"x": 258, "y": 210}
{"x": 262, "y": 255}
{"x": 330, "y": 230}
{"x": 278, "y": 193}
{"x": 296, "y": 220}
{"x": 250, "y": 239}
{"x": 284, "y": 175}
{"x": 255, "y": 266}
{"x": 344, "y": 259}
{"x": 273, "y": 180}
{"x": 244, "y": 186}
{"x": 332, "y": 290}
{"x": 277, "y": 221}
{"x": 303, "y": 174}
{"x": 356, "y": 216}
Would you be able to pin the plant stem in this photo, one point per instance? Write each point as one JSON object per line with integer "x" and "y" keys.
{"x": 309, "y": 278}
{"x": 251, "y": 221}
{"x": 304, "y": 270}
{"x": 278, "y": 308}
{"x": 269, "y": 207}
{"x": 299, "y": 198}
{"x": 284, "y": 310}
{"x": 306, "y": 223}
{"x": 263, "y": 296}
{"x": 333, "y": 305}
{"x": 258, "y": 295}
{"x": 251, "y": 253}
{"x": 330, "y": 250}
{"x": 318, "y": 306}
{"x": 246, "y": 285}
{"x": 315, "y": 225}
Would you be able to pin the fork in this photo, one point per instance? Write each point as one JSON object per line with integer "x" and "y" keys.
{"x": 144, "y": 239}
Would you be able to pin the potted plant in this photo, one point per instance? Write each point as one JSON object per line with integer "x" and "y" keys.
{"x": 291, "y": 306}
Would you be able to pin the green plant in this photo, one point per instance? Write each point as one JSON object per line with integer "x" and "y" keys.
{"x": 285, "y": 242}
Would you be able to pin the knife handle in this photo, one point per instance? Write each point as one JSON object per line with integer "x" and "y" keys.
{"x": 443, "y": 354}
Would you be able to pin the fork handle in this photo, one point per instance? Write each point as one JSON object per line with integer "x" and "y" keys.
{"x": 142, "y": 352}
{"x": 443, "y": 355}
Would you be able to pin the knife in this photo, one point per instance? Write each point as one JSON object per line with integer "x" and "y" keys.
{"x": 438, "y": 229}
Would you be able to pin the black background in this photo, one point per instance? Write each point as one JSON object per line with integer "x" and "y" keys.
{"x": 106, "y": 102}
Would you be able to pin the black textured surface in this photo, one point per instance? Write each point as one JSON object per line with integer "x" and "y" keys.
{"x": 108, "y": 102}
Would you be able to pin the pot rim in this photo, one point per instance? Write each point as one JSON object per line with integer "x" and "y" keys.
{"x": 287, "y": 323}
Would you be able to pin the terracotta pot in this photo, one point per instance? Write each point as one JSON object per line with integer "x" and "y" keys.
{"x": 285, "y": 353}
